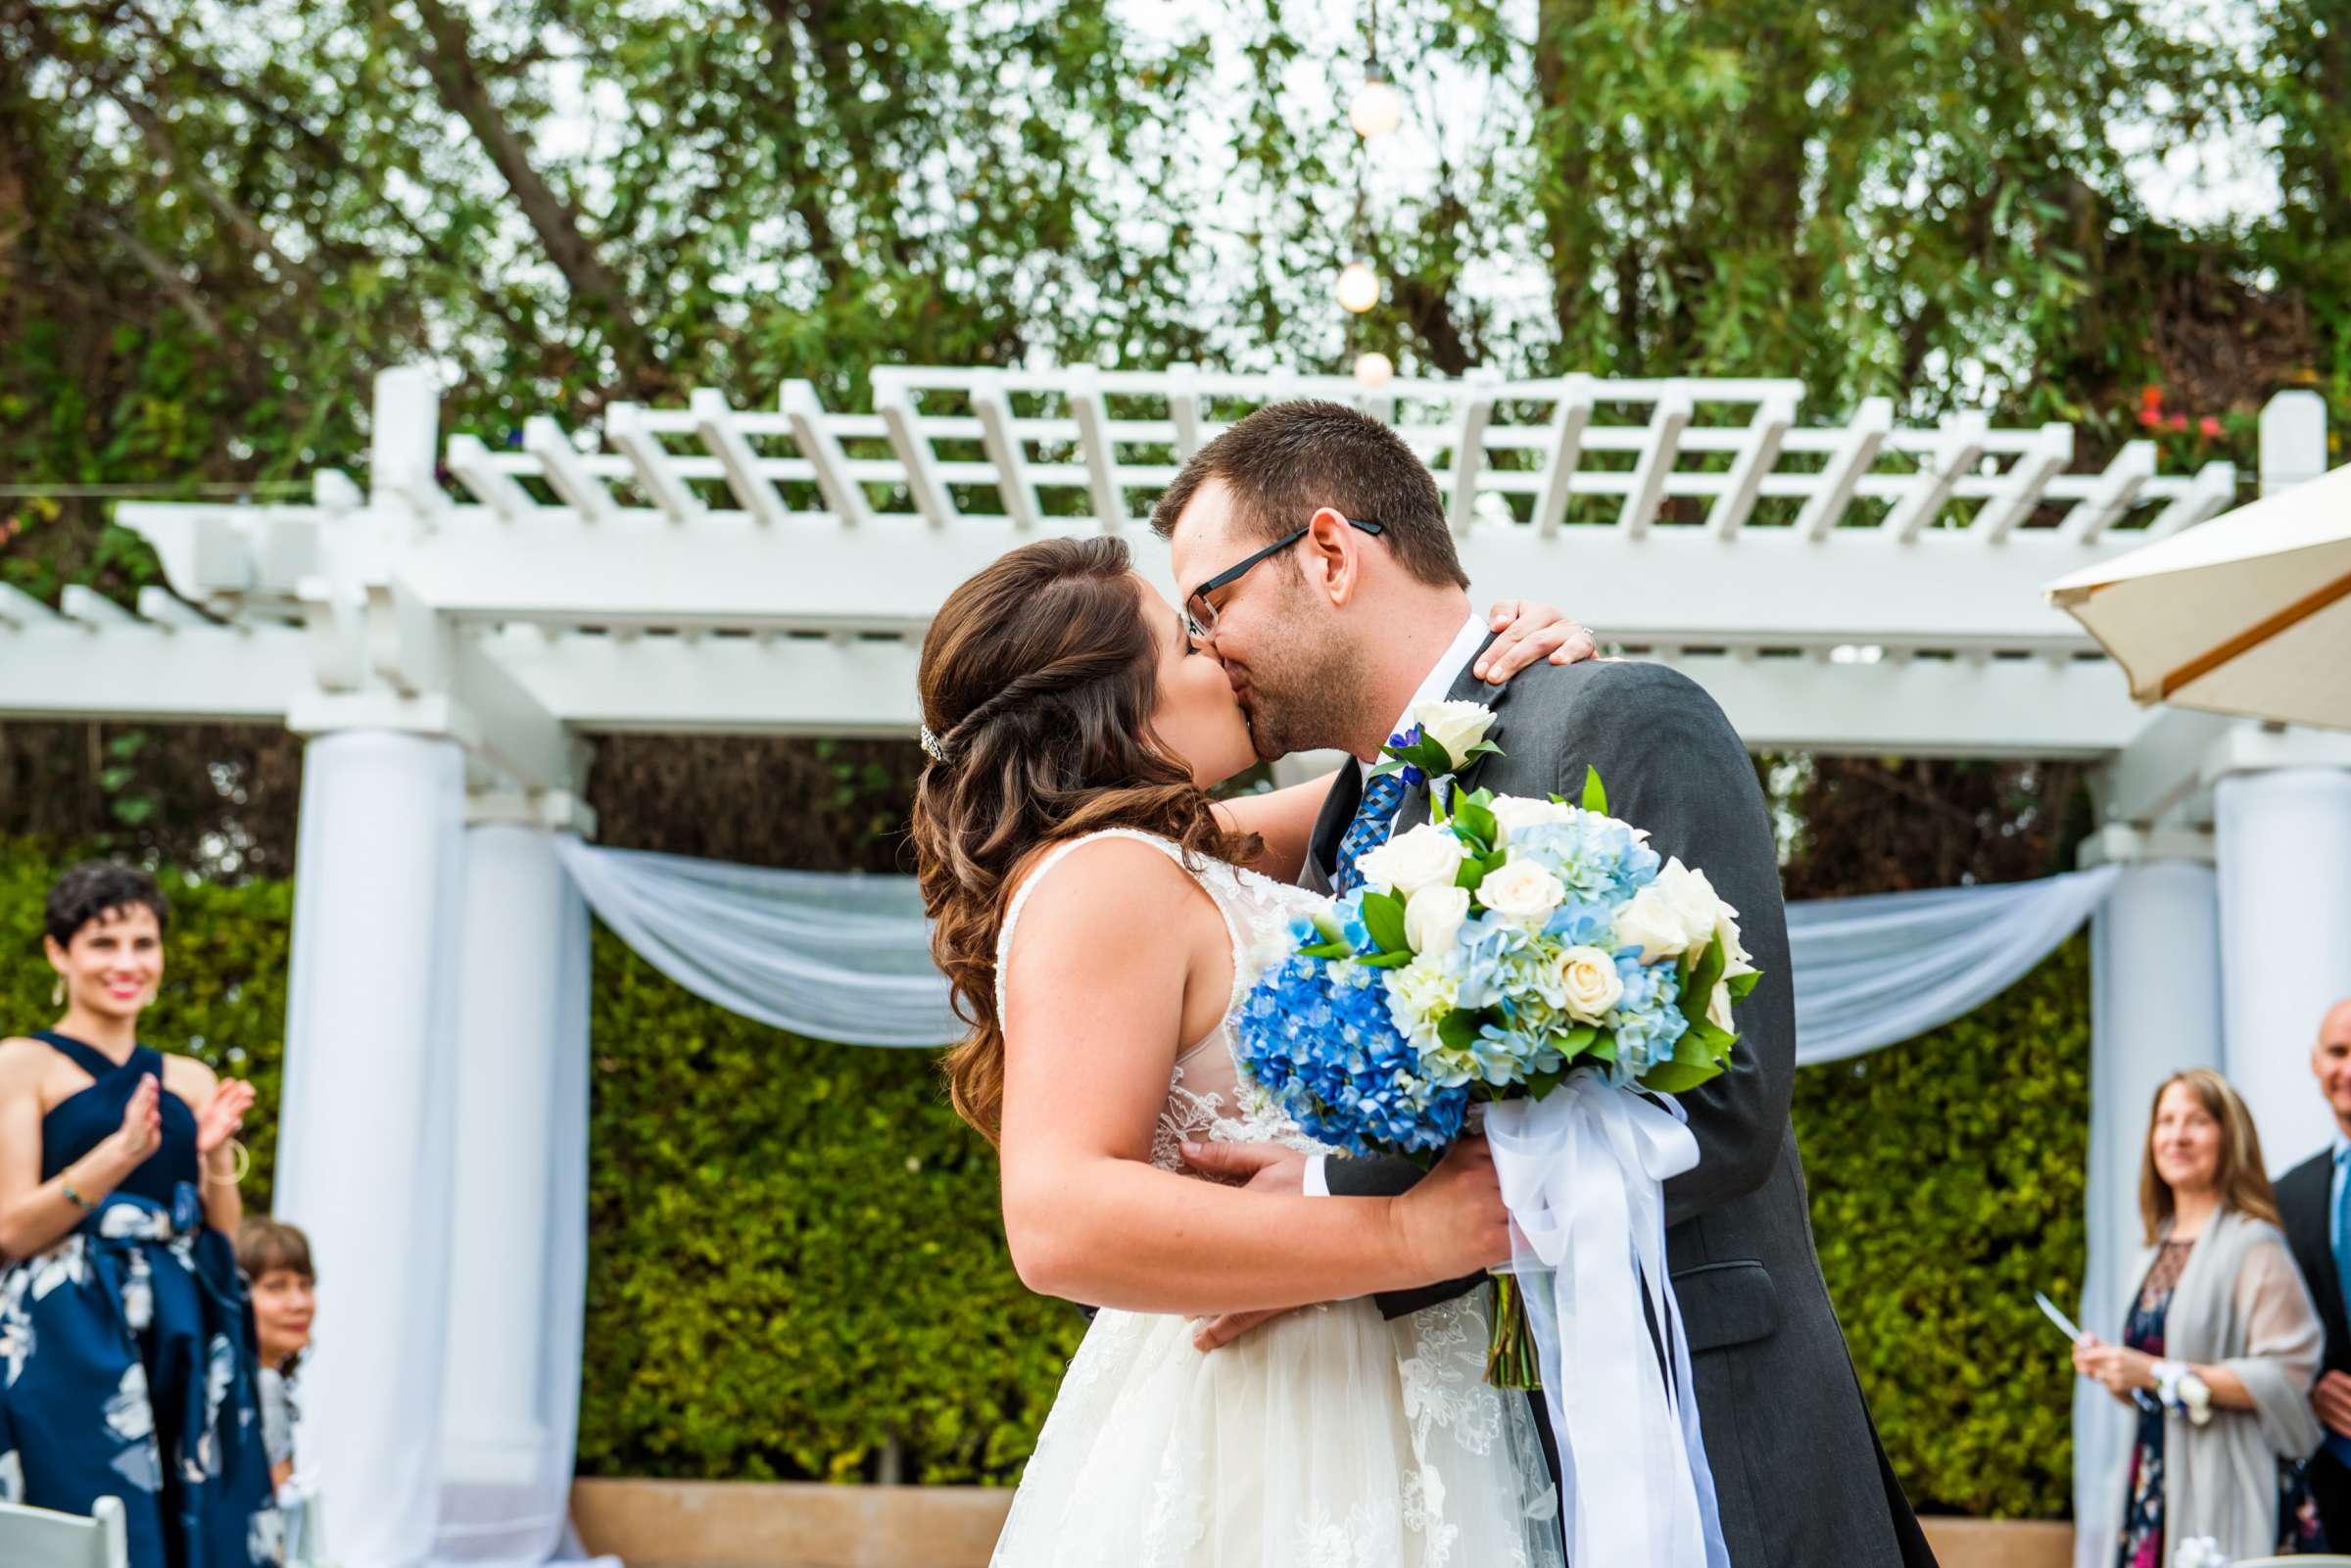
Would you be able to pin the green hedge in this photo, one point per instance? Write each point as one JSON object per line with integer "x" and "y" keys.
{"x": 796, "y": 1258}
{"x": 796, "y": 1265}
{"x": 1947, "y": 1179}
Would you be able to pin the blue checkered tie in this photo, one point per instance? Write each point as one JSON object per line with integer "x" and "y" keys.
{"x": 1374, "y": 820}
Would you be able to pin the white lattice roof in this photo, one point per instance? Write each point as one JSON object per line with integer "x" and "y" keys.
{"x": 1852, "y": 586}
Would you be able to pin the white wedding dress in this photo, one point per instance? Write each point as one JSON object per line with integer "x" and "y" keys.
{"x": 1328, "y": 1437}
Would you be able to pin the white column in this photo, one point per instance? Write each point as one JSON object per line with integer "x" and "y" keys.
{"x": 363, "y": 1141}
{"x": 2155, "y": 1008}
{"x": 2284, "y": 838}
{"x": 523, "y": 926}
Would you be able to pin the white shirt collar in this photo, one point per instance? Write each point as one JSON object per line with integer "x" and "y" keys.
{"x": 1442, "y": 674}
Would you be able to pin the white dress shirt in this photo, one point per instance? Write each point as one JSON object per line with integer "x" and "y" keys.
{"x": 1441, "y": 676}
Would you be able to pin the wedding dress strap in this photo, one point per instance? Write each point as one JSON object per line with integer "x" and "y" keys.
{"x": 1166, "y": 846}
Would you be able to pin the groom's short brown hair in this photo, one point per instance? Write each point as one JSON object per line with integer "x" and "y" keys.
{"x": 1288, "y": 460}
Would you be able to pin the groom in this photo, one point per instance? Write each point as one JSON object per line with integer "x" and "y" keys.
{"x": 1319, "y": 567}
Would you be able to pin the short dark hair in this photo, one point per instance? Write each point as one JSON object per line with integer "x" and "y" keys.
{"x": 267, "y": 1244}
{"x": 1288, "y": 460}
{"x": 95, "y": 890}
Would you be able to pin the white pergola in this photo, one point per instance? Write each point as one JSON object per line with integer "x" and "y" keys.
{"x": 452, "y": 647}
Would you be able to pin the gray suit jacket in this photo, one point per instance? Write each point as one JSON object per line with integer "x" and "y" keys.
{"x": 1800, "y": 1476}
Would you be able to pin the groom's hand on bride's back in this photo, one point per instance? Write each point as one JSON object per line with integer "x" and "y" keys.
{"x": 1450, "y": 1224}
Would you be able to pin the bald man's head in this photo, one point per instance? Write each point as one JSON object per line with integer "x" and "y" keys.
{"x": 2330, "y": 1061}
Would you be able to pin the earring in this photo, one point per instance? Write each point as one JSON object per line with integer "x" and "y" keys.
{"x": 57, "y": 993}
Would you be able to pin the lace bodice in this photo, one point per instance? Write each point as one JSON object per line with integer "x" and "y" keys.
{"x": 1208, "y": 1099}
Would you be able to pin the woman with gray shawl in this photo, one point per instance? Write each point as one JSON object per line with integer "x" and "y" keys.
{"x": 2220, "y": 1347}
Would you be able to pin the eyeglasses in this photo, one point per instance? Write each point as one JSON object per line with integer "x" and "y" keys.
{"x": 1200, "y": 616}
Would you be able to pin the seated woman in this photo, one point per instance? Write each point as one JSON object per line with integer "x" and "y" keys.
{"x": 275, "y": 1260}
{"x": 126, "y": 1357}
{"x": 2221, "y": 1346}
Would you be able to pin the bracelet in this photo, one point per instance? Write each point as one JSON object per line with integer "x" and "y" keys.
{"x": 2183, "y": 1391}
{"x": 75, "y": 1198}
{"x": 243, "y": 1163}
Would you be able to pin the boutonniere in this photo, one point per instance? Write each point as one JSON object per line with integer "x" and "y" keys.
{"x": 1445, "y": 738}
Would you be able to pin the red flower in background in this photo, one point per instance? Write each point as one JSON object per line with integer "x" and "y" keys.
{"x": 2208, "y": 427}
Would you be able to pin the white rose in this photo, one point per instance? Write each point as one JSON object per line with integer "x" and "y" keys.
{"x": 1718, "y": 1008}
{"x": 1428, "y": 856}
{"x": 1455, "y": 726}
{"x": 1693, "y": 901}
{"x": 1522, "y": 890}
{"x": 1648, "y": 921}
{"x": 1433, "y": 916}
{"x": 1589, "y": 977}
{"x": 1740, "y": 961}
{"x": 1517, "y": 812}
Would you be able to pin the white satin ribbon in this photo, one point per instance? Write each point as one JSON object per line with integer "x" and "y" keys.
{"x": 1583, "y": 1172}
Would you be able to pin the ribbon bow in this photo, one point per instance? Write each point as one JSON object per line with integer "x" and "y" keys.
{"x": 1583, "y": 1172}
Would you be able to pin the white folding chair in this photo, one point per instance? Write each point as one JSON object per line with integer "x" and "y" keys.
{"x": 35, "y": 1538}
{"x": 306, "y": 1535}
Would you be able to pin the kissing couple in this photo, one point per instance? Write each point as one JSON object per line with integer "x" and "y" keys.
{"x": 1286, "y": 1367}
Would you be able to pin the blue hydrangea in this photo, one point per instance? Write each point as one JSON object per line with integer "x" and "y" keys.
{"x": 1646, "y": 1019}
{"x": 1316, "y": 1036}
{"x": 1596, "y": 858}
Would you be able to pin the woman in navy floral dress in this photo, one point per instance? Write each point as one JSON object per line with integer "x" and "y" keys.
{"x": 127, "y": 1365}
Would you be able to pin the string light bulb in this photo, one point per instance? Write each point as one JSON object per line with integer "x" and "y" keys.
{"x": 1374, "y": 370}
{"x": 1376, "y": 110}
{"x": 1358, "y": 288}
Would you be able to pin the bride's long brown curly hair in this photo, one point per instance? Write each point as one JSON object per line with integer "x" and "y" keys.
{"x": 1038, "y": 678}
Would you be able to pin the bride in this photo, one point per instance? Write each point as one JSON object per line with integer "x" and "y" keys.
{"x": 1099, "y": 917}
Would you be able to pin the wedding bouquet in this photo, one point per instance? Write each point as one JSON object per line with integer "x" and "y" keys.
{"x": 1488, "y": 954}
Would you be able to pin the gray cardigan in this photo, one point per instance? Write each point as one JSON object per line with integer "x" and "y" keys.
{"x": 2240, "y": 1304}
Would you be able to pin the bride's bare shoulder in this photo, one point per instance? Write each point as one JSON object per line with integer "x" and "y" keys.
{"x": 1111, "y": 883}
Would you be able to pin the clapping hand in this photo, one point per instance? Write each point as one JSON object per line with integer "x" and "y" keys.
{"x": 142, "y": 1126}
{"x": 223, "y": 1116}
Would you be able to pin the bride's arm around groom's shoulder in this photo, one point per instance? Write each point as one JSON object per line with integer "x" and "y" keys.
{"x": 1674, "y": 767}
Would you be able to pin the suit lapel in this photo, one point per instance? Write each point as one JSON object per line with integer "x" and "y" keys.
{"x": 2303, "y": 1196}
{"x": 1330, "y": 826}
{"x": 1465, "y": 688}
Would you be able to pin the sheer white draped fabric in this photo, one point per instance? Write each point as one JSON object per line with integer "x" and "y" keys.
{"x": 1879, "y": 969}
{"x": 833, "y": 956}
{"x": 847, "y": 957}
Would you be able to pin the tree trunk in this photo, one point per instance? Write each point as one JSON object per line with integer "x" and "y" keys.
{"x": 449, "y": 61}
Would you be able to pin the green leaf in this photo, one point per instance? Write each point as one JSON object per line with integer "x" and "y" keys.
{"x": 1699, "y": 980}
{"x": 1740, "y": 984}
{"x": 1602, "y": 1049}
{"x": 1383, "y": 918}
{"x": 1327, "y": 950}
{"x": 1677, "y": 1077}
{"x": 1475, "y": 820}
{"x": 1457, "y": 1030}
{"x": 1596, "y": 794}
{"x": 1385, "y": 961}
{"x": 1576, "y": 1039}
{"x": 1539, "y": 1084}
{"x": 1473, "y": 872}
{"x": 1714, "y": 1039}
